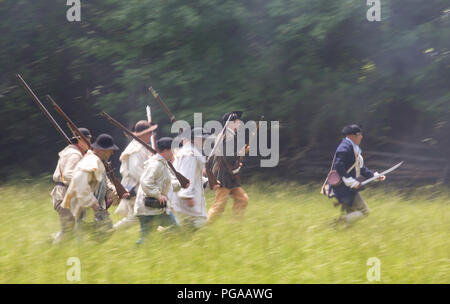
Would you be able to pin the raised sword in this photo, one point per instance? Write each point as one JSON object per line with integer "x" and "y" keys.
{"x": 382, "y": 173}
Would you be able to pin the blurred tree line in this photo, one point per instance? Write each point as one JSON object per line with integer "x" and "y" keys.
{"x": 315, "y": 66}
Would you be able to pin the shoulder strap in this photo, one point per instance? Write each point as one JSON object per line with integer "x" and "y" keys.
{"x": 356, "y": 162}
{"x": 326, "y": 179}
{"x": 60, "y": 172}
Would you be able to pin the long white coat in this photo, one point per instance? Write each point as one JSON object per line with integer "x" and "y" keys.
{"x": 190, "y": 162}
{"x": 67, "y": 162}
{"x": 88, "y": 175}
{"x": 132, "y": 158}
{"x": 155, "y": 181}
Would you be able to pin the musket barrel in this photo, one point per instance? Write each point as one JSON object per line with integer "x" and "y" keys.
{"x": 149, "y": 119}
{"x": 181, "y": 178}
{"x": 43, "y": 109}
{"x": 120, "y": 189}
{"x": 163, "y": 105}
{"x": 68, "y": 120}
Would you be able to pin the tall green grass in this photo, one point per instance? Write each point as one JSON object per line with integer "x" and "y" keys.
{"x": 285, "y": 237}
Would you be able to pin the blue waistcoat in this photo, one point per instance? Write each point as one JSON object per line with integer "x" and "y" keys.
{"x": 344, "y": 159}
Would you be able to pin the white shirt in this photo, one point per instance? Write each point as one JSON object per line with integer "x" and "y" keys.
{"x": 190, "y": 162}
{"x": 133, "y": 158}
{"x": 68, "y": 160}
{"x": 86, "y": 180}
{"x": 156, "y": 180}
{"x": 350, "y": 181}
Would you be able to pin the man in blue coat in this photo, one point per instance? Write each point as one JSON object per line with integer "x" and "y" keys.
{"x": 349, "y": 164}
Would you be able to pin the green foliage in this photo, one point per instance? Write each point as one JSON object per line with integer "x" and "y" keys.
{"x": 313, "y": 65}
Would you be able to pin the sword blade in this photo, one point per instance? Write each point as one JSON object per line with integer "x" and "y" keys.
{"x": 382, "y": 173}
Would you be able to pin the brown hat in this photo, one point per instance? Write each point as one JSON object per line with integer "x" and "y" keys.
{"x": 142, "y": 127}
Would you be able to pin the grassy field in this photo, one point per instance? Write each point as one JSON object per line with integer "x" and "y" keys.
{"x": 285, "y": 238}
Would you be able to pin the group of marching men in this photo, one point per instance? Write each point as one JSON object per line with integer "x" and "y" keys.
{"x": 154, "y": 198}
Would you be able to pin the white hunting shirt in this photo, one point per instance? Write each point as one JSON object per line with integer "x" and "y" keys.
{"x": 68, "y": 160}
{"x": 90, "y": 174}
{"x": 156, "y": 180}
{"x": 190, "y": 162}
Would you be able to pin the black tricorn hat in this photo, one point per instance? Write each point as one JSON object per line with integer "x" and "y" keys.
{"x": 351, "y": 130}
{"x": 104, "y": 142}
{"x": 164, "y": 143}
{"x": 86, "y": 133}
{"x": 233, "y": 116}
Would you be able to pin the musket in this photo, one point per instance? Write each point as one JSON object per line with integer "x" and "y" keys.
{"x": 163, "y": 105}
{"x": 242, "y": 151}
{"x": 252, "y": 136}
{"x": 183, "y": 180}
{"x": 44, "y": 110}
{"x": 149, "y": 119}
{"x": 153, "y": 143}
{"x": 120, "y": 189}
{"x": 219, "y": 139}
{"x": 212, "y": 180}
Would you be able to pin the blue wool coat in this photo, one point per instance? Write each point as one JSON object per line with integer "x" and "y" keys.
{"x": 345, "y": 158}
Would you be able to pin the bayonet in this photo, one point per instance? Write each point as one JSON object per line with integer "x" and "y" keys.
{"x": 149, "y": 119}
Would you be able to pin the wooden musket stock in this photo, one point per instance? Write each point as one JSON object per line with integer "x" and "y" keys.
{"x": 120, "y": 189}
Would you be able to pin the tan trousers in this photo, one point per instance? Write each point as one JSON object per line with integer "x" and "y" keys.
{"x": 358, "y": 205}
{"x": 66, "y": 219}
{"x": 239, "y": 205}
{"x": 357, "y": 211}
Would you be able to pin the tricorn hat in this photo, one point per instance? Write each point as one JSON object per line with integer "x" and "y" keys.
{"x": 351, "y": 130}
{"x": 86, "y": 133}
{"x": 104, "y": 142}
{"x": 232, "y": 115}
{"x": 142, "y": 127}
